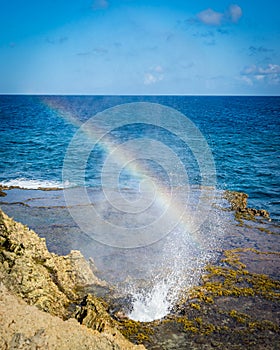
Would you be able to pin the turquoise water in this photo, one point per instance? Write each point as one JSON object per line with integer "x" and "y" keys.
{"x": 243, "y": 134}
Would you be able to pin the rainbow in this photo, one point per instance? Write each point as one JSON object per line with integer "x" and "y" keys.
{"x": 170, "y": 201}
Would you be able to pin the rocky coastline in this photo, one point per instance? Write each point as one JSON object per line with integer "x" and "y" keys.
{"x": 41, "y": 301}
{"x": 44, "y": 303}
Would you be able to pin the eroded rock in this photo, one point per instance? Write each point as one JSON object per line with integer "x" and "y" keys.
{"x": 42, "y": 278}
{"x": 51, "y": 283}
{"x": 24, "y": 326}
{"x": 238, "y": 203}
{"x": 92, "y": 314}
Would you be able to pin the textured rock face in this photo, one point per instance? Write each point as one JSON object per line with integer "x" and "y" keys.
{"x": 238, "y": 203}
{"x": 50, "y": 282}
{"x": 92, "y": 314}
{"x": 40, "y": 277}
{"x": 237, "y": 200}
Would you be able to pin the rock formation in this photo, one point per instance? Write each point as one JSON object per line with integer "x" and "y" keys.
{"x": 238, "y": 203}
{"x": 32, "y": 278}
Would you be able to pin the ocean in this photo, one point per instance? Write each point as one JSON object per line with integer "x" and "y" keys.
{"x": 243, "y": 134}
{"x": 137, "y": 182}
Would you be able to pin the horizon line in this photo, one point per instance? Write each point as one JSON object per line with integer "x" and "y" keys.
{"x": 130, "y": 95}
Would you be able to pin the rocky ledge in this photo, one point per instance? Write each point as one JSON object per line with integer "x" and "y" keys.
{"x": 42, "y": 305}
{"x": 238, "y": 203}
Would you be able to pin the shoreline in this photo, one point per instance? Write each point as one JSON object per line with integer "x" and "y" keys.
{"x": 247, "y": 310}
{"x": 257, "y": 212}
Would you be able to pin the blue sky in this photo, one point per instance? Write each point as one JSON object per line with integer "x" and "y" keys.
{"x": 140, "y": 47}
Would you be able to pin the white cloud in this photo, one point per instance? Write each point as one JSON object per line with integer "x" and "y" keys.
{"x": 270, "y": 69}
{"x": 249, "y": 70}
{"x": 210, "y": 17}
{"x": 154, "y": 75}
{"x": 99, "y": 4}
{"x": 247, "y": 80}
{"x": 214, "y": 18}
{"x": 235, "y": 13}
{"x": 149, "y": 79}
{"x": 269, "y": 74}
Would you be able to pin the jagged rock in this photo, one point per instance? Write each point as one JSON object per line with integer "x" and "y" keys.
{"x": 83, "y": 271}
{"x": 93, "y": 314}
{"x": 51, "y": 283}
{"x": 47, "y": 280}
{"x": 237, "y": 200}
{"x": 238, "y": 203}
{"x": 42, "y": 278}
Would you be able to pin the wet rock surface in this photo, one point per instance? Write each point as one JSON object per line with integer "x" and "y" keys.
{"x": 238, "y": 203}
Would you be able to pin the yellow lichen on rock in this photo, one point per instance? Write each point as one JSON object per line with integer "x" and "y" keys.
{"x": 238, "y": 203}
{"x": 235, "y": 280}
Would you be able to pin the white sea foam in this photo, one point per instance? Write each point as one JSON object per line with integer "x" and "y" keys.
{"x": 182, "y": 261}
{"x": 158, "y": 301}
{"x": 153, "y": 305}
{"x": 31, "y": 184}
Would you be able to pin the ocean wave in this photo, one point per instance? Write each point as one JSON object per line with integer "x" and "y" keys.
{"x": 32, "y": 184}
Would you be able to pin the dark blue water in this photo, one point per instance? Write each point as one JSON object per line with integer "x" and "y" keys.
{"x": 242, "y": 132}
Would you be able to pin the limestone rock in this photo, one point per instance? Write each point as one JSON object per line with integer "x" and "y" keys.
{"x": 93, "y": 314}
{"x": 25, "y": 327}
{"x": 50, "y": 282}
{"x": 238, "y": 203}
{"x": 47, "y": 280}
{"x": 83, "y": 271}
{"x": 237, "y": 200}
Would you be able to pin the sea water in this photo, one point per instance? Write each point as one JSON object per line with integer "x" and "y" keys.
{"x": 242, "y": 132}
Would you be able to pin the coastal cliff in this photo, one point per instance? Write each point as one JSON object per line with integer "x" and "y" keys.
{"x": 41, "y": 301}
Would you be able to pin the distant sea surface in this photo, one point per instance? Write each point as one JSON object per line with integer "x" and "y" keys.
{"x": 243, "y": 134}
